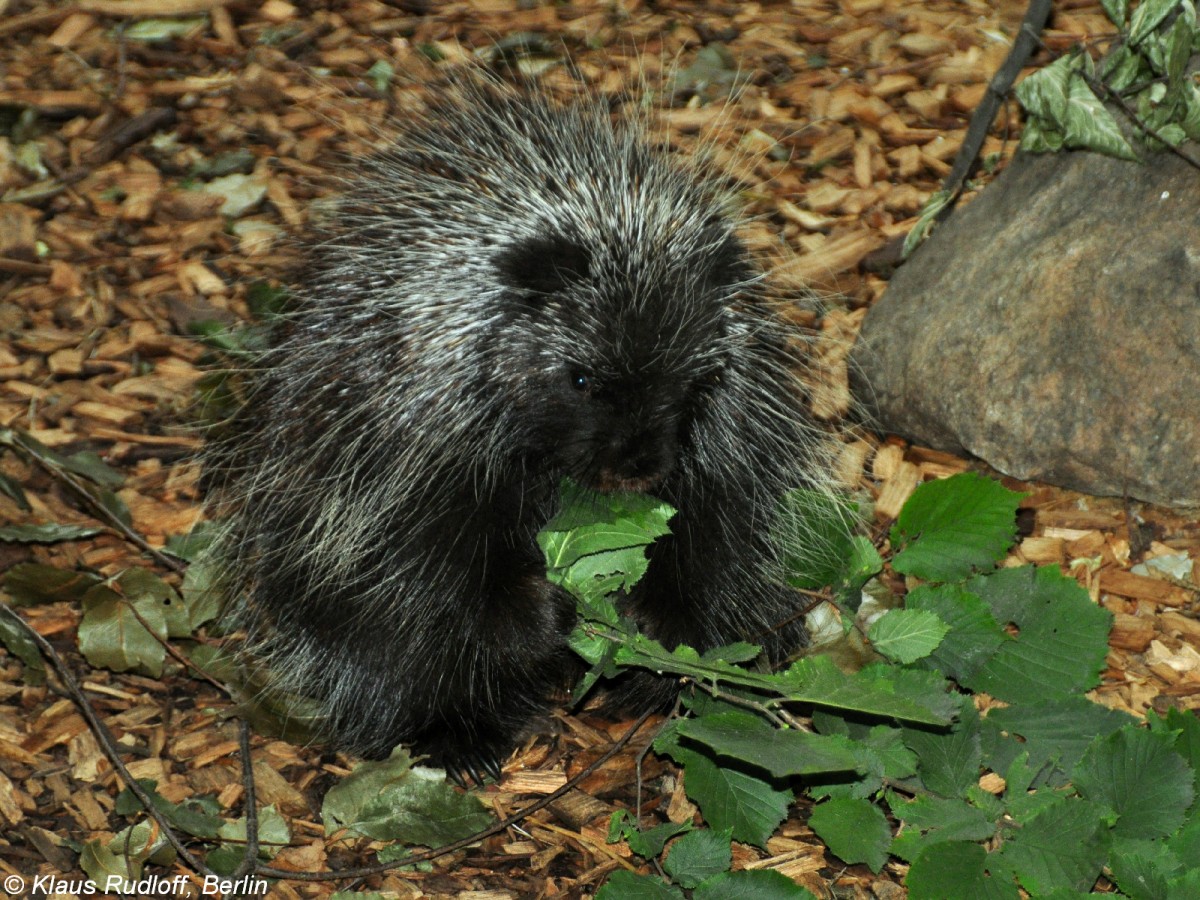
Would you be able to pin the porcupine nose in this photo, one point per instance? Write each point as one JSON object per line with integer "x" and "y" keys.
{"x": 636, "y": 462}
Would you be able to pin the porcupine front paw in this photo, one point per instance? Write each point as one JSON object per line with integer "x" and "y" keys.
{"x": 465, "y": 765}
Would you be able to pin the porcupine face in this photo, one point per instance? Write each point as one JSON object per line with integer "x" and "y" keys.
{"x": 621, "y": 352}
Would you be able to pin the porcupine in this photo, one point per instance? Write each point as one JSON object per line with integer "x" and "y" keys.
{"x": 511, "y": 292}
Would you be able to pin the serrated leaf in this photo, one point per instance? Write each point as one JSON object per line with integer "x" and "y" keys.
{"x": 874, "y": 690}
{"x": 951, "y": 528}
{"x": 752, "y": 884}
{"x": 623, "y": 885}
{"x": 814, "y": 531}
{"x": 1062, "y": 641}
{"x": 1063, "y": 846}
{"x": 906, "y": 635}
{"x": 393, "y": 800}
{"x": 699, "y": 855}
{"x": 49, "y": 533}
{"x": 854, "y": 830}
{"x": 929, "y": 820}
{"x": 1054, "y": 733}
{"x": 748, "y": 807}
{"x": 782, "y": 752}
{"x": 949, "y": 761}
{"x": 1138, "y": 775}
{"x": 1143, "y": 869}
{"x": 650, "y": 842}
{"x": 973, "y": 634}
{"x": 955, "y": 870}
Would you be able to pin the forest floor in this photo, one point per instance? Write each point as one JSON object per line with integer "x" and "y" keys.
{"x": 156, "y": 157}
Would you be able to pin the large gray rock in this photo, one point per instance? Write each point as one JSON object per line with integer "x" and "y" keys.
{"x": 1052, "y": 328}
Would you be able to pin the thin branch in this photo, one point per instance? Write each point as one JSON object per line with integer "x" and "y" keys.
{"x": 515, "y": 818}
{"x": 107, "y": 743}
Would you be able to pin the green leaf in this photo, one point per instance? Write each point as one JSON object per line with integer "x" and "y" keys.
{"x": 929, "y": 820}
{"x": 1062, "y": 641}
{"x": 1138, "y": 775}
{"x": 752, "y": 884}
{"x": 854, "y": 830}
{"x": 1186, "y": 727}
{"x": 782, "y": 752}
{"x": 1143, "y": 869}
{"x": 1090, "y": 126}
{"x": 697, "y": 856}
{"x": 1062, "y": 846}
{"x": 1116, "y": 10}
{"x": 623, "y": 885}
{"x": 46, "y": 534}
{"x": 12, "y": 489}
{"x": 112, "y": 634}
{"x": 650, "y": 843}
{"x": 906, "y": 635}
{"x": 18, "y": 642}
{"x": 144, "y": 589}
{"x": 203, "y": 591}
{"x": 948, "y": 529}
{"x": 192, "y": 817}
{"x": 748, "y": 807}
{"x": 874, "y": 690}
{"x": 955, "y": 870}
{"x": 595, "y": 545}
{"x": 1147, "y": 17}
{"x": 273, "y": 836}
{"x": 31, "y": 584}
{"x": 948, "y": 762}
{"x": 393, "y": 800}
{"x": 93, "y": 468}
{"x": 973, "y": 635}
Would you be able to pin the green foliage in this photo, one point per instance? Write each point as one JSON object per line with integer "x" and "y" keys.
{"x": 1146, "y": 69}
{"x": 902, "y": 742}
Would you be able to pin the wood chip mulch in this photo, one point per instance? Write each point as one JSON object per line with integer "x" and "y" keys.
{"x": 116, "y": 236}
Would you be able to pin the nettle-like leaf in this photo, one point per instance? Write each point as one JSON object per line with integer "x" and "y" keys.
{"x": 596, "y": 544}
{"x": 906, "y": 635}
{"x": 699, "y": 855}
{"x": 952, "y": 528}
{"x": 749, "y": 807}
{"x": 1139, "y": 776}
{"x": 855, "y": 830}
{"x": 393, "y": 800}
{"x": 1061, "y": 642}
{"x": 752, "y": 884}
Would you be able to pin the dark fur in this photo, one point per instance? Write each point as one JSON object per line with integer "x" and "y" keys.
{"x": 513, "y": 293}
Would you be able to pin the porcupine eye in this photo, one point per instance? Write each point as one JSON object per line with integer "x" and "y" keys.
{"x": 580, "y": 382}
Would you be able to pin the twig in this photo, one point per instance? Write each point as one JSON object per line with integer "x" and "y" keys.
{"x": 521, "y": 815}
{"x": 997, "y": 92}
{"x": 249, "y": 803}
{"x": 1102, "y": 90}
{"x": 107, "y": 743}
